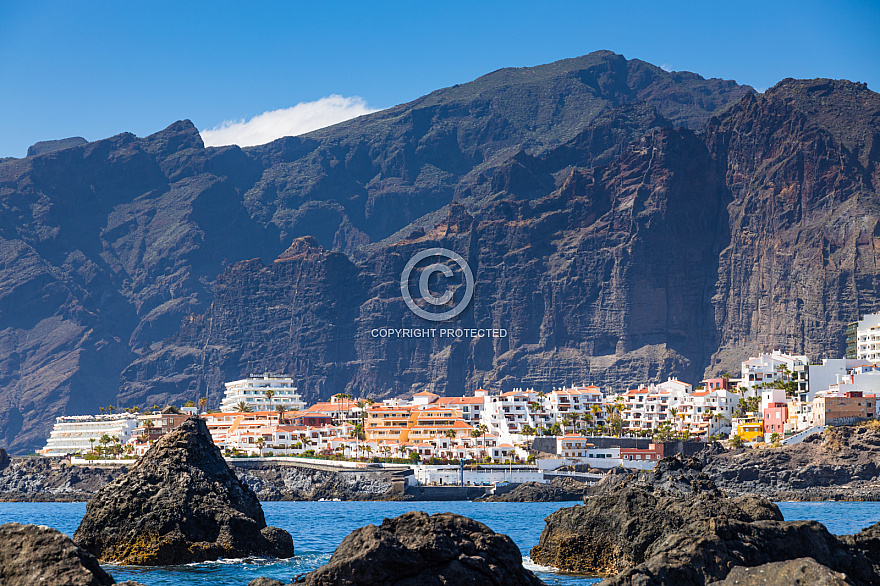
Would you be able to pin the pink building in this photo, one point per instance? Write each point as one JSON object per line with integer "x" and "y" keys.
{"x": 775, "y": 418}
{"x": 714, "y": 384}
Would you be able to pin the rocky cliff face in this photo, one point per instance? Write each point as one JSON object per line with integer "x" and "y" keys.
{"x": 622, "y": 223}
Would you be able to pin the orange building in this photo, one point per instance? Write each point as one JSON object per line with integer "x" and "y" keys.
{"x": 839, "y": 408}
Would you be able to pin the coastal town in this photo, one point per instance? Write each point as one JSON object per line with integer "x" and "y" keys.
{"x": 776, "y": 398}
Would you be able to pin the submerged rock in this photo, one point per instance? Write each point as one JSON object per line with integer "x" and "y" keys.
{"x": 421, "y": 550}
{"x": 261, "y": 581}
{"x": 179, "y": 504}
{"x": 33, "y": 554}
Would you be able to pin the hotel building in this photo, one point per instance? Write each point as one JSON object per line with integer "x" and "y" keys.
{"x": 252, "y": 391}
{"x": 72, "y": 433}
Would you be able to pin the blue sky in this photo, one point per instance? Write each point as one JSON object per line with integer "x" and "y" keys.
{"x": 95, "y": 68}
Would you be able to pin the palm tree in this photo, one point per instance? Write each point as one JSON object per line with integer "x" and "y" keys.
{"x": 528, "y": 431}
{"x": 672, "y": 413}
{"x": 148, "y": 423}
{"x": 616, "y": 410}
{"x": 243, "y": 407}
{"x": 203, "y": 402}
{"x": 269, "y": 394}
{"x": 720, "y": 419}
{"x": 588, "y": 420}
{"x": 104, "y": 441}
{"x": 111, "y": 408}
{"x": 92, "y": 444}
{"x": 478, "y": 432}
{"x": 280, "y": 409}
{"x": 260, "y": 443}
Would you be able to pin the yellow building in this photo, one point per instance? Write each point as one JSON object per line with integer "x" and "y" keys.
{"x": 748, "y": 428}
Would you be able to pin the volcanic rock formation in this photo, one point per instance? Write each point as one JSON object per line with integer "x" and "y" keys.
{"x": 840, "y": 463}
{"x": 675, "y": 527}
{"x": 33, "y": 554}
{"x": 416, "y": 548}
{"x": 179, "y": 504}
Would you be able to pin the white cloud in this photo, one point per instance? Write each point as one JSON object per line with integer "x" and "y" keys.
{"x": 302, "y": 118}
{"x": 666, "y": 67}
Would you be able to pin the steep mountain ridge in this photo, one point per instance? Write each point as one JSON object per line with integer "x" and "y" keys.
{"x": 617, "y": 218}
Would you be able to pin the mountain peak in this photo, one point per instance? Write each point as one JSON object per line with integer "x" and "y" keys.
{"x": 178, "y": 136}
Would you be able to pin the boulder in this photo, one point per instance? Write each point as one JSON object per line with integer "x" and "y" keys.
{"x": 4, "y": 459}
{"x": 34, "y": 554}
{"x": 798, "y": 572}
{"x": 416, "y": 549}
{"x": 673, "y": 526}
{"x": 179, "y": 504}
{"x": 614, "y": 530}
{"x": 558, "y": 489}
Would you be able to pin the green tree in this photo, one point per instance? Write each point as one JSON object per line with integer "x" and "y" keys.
{"x": 243, "y": 407}
{"x": 203, "y": 402}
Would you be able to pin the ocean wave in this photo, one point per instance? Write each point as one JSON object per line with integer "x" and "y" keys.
{"x": 535, "y": 567}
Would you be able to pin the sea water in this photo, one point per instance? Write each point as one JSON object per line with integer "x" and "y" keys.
{"x": 318, "y": 527}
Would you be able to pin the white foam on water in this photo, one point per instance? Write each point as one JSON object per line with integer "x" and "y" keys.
{"x": 535, "y": 567}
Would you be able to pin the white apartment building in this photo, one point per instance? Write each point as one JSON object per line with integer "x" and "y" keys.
{"x": 708, "y": 412}
{"x": 575, "y": 402}
{"x": 868, "y": 338}
{"x": 831, "y": 372}
{"x": 507, "y": 413}
{"x": 252, "y": 391}
{"x": 649, "y": 407}
{"x": 768, "y": 368}
{"x": 71, "y": 433}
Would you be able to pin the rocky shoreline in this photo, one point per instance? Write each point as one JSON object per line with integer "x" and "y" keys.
{"x": 839, "y": 464}
{"x": 36, "y": 479}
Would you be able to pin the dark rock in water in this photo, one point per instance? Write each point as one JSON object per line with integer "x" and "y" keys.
{"x": 261, "y": 581}
{"x": 49, "y": 146}
{"x": 673, "y": 526}
{"x": 179, "y": 504}
{"x": 615, "y": 531}
{"x": 33, "y": 554}
{"x": 706, "y": 550}
{"x": 799, "y": 572}
{"x": 558, "y": 489}
{"x": 4, "y": 459}
{"x": 417, "y": 549}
